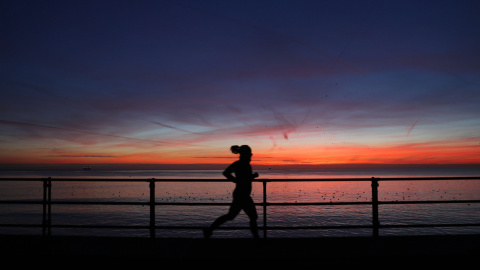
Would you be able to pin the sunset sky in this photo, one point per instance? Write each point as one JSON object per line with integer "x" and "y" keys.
{"x": 179, "y": 82}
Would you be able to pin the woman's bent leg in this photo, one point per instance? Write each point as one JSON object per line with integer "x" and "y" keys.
{"x": 232, "y": 213}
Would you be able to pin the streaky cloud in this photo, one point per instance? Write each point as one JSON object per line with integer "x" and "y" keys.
{"x": 411, "y": 128}
{"x": 175, "y": 128}
{"x": 6, "y": 122}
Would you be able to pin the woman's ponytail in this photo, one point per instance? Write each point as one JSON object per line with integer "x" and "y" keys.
{"x": 244, "y": 149}
{"x": 235, "y": 149}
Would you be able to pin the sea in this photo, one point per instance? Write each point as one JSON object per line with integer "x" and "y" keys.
{"x": 278, "y": 191}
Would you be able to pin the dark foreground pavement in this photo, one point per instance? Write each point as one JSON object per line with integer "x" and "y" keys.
{"x": 431, "y": 250}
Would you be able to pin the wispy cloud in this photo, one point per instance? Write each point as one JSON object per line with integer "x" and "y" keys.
{"x": 82, "y": 156}
{"x": 411, "y": 128}
{"x": 174, "y": 128}
{"x": 6, "y": 122}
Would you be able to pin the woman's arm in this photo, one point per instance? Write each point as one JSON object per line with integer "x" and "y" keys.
{"x": 228, "y": 173}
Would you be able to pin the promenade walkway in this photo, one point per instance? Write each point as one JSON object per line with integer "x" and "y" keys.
{"x": 335, "y": 250}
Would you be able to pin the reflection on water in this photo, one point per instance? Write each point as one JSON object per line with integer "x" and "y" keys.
{"x": 299, "y": 215}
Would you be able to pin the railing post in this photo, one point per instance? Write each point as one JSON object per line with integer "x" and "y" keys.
{"x": 375, "y": 221}
{"x": 152, "y": 208}
{"x": 47, "y": 207}
{"x": 44, "y": 208}
{"x": 264, "y": 209}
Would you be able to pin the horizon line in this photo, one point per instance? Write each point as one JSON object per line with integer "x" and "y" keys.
{"x": 220, "y": 166}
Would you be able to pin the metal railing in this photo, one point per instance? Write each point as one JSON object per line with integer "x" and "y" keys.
{"x": 375, "y": 226}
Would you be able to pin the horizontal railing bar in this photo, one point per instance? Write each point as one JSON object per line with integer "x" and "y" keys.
{"x": 268, "y": 204}
{"x": 315, "y": 180}
{"x": 386, "y": 226}
{"x": 199, "y": 203}
{"x": 99, "y": 203}
{"x": 220, "y": 204}
{"x": 71, "y": 226}
{"x": 100, "y": 226}
{"x": 429, "y": 202}
{"x": 180, "y": 180}
{"x": 325, "y": 226}
{"x": 4, "y": 179}
{"x": 174, "y": 227}
{"x": 186, "y": 203}
{"x": 314, "y": 203}
{"x": 370, "y": 179}
{"x": 75, "y": 202}
{"x": 79, "y": 226}
{"x": 143, "y": 203}
{"x": 20, "y": 202}
{"x": 224, "y": 180}
{"x": 21, "y": 225}
{"x": 426, "y": 178}
{"x": 117, "y": 180}
{"x": 270, "y": 227}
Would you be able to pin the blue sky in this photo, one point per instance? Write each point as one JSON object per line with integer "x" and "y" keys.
{"x": 301, "y": 82}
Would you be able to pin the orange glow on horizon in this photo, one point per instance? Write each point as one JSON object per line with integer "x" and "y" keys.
{"x": 419, "y": 153}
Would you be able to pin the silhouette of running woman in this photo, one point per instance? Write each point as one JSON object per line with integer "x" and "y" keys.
{"x": 241, "y": 195}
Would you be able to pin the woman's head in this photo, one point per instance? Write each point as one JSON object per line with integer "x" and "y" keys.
{"x": 244, "y": 151}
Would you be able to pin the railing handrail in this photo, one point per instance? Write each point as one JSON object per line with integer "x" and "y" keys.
{"x": 47, "y": 202}
{"x": 361, "y": 179}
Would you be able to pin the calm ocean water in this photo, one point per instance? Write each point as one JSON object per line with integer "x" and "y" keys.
{"x": 324, "y": 215}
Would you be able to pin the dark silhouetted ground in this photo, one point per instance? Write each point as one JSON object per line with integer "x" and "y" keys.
{"x": 394, "y": 250}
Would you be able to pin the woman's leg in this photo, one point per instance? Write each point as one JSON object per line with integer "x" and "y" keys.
{"x": 251, "y": 211}
{"x": 232, "y": 213}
